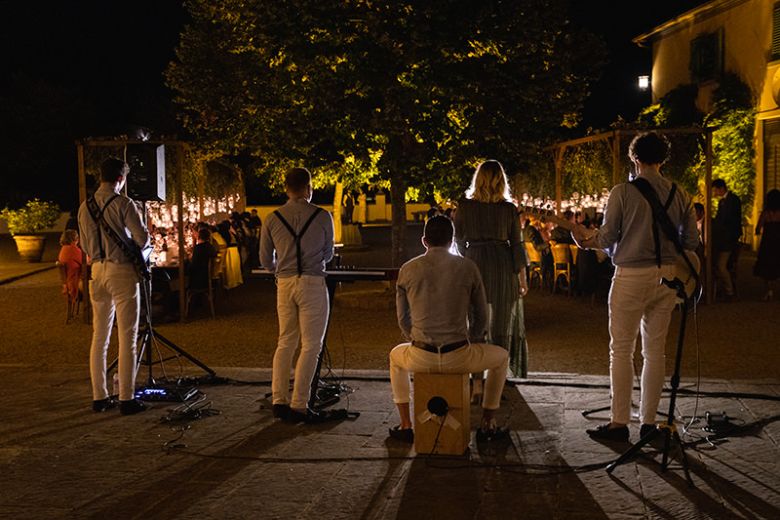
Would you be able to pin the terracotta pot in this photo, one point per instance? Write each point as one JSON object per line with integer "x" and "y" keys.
{"x": 30, "y": 247}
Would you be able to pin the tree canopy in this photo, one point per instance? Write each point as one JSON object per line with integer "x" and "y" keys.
{"x": 413, "y": 92}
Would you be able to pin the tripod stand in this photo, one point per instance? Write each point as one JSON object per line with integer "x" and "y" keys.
{"x": 667, "y": 429}
{"x": 147, "y": 336}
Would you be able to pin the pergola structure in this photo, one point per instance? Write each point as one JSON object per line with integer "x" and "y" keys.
{"x": 614, "y": 139}
{"x": 179, "y": 147}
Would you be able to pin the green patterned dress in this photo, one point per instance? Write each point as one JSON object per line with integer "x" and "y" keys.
{"x": 490, "y": 235}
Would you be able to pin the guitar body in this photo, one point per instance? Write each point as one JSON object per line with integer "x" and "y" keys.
{"x": 683, "y": 273}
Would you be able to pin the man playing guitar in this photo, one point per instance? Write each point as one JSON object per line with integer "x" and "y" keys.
{"x": 643, "y": 256}
{"x": 113, "y": 236}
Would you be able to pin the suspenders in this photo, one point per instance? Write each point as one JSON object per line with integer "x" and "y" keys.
{"x": 92, "y": 205}
{"x": 298, "y": 236}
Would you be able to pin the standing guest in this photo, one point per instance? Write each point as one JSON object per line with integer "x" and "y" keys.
{"x": 254, "y": 225}
{"x": 726, "y": 230}
{"x": 768, "y": 261}
{"x": 441, "y": 307}
{"x": 561, "y": 235}
{"x": 487, "y": 231}
{"x": 70, "y": 257}
{"x": 198, "y": 275}
{"x": 115, "y": 286}
{"x": 638, "y": 301}
{"x": 296, "y": 243}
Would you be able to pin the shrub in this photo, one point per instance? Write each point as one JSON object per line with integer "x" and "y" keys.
{"x": 32, "y": 218}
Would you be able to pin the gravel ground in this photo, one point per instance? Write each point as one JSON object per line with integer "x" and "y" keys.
{"x": 739, "y": 340}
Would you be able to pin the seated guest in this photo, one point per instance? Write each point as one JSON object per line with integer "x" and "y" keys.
{"x": 70, "y": 256}
{"x": 561, "y": 235}
{"x": 198, "y": 270}
{"x": 442, "y": 311}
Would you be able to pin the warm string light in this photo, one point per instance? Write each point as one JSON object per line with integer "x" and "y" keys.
{"x": 163, "y": 219}
{"x": 577, "y": 202}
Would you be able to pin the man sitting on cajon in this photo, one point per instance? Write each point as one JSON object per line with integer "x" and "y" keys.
{"x": 442, "y": 311}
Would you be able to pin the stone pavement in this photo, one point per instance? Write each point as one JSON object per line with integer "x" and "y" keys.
{"x": 60, "y": 460}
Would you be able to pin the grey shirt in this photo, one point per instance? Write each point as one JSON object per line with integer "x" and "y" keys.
{"x": 123, "y": 217}
{"x": 277, "y": 245}
{"x": 627, "y": 232}
{"x": 440, "y": 299}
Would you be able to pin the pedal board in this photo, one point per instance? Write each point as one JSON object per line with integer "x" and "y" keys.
{"x": 166, "y": 392}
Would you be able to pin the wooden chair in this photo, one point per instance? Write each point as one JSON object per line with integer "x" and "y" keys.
{"x": 534, "y": 264}
{"x": 208, "y": 291}
{"x": 561, "y": 265}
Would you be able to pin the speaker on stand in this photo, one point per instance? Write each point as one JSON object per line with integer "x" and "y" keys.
{"x": 146, "y": 181}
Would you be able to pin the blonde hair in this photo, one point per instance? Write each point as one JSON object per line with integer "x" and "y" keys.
{"x": 489, "y": 183}
{"x": 69, "y": 236}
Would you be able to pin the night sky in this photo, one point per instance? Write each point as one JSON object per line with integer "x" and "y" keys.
{"x": 94, "y": 68}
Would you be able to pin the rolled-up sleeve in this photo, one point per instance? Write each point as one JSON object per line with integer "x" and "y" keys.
{"x": 327, "y": 247}
{"x": 267, "y": 258}
{"x": 402, "y": 309}
{"x": 135, "y": 225}
{"x": 610, "y": 230}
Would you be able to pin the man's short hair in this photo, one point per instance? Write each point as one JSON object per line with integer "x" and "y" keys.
{"x": 113, "y": 168}
{"x": 568, "y": 214}
{"x": 649, "y": 148}
{"x": 296, "y": 179}
{"x": 438, "y": 231}
{"x": 719, "y": 183}
{"x": 204, "y": 234}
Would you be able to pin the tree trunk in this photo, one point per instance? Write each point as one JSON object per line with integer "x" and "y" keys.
{"x": 398, "y": 234}
{"x": 338, "y": 194}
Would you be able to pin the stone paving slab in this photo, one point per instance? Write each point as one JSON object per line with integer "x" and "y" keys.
{"x": 60, "y": 460}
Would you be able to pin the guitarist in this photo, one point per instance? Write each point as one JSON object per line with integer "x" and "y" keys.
{"x": 643, "y": 256}
{"x": 115, "y": 284}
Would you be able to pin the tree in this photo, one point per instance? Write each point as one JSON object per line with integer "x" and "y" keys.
{"x": 415, "y": 91}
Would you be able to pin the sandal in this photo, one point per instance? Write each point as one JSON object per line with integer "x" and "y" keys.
{"x": 402, "y": 434}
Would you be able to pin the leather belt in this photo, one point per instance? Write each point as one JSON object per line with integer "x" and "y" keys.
{"x": 440, "y": 350}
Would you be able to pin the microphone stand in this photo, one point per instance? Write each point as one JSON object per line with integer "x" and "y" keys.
{"x": 668, "y": 429}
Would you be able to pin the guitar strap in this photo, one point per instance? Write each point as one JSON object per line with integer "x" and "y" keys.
{"x": 661, "y": 218}
{"x": 98, "y": 216}
{"x": 298, "y": 236}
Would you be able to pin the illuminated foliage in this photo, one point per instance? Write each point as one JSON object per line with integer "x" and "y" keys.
{"x": 411, "y": 92}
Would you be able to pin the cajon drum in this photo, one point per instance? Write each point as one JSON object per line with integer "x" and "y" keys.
{"x": 453, "y": 439}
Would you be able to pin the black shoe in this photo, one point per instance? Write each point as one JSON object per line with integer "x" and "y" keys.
{"x": 493, "y": 434}
{"x": 645, "y": 430}
{"x": 101, "y": 405}
{"x": 313, "y": 417}
{"x": 402, "y": 434}
{"x": 131, "y": 407}
{"x": 605, "y": 433}
{"x": 281, "y": 411}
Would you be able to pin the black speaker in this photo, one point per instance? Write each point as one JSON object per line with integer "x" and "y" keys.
{"x": 146, "y": 180}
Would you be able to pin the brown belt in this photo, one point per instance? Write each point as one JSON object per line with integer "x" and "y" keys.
{"x": 440, "y": 350}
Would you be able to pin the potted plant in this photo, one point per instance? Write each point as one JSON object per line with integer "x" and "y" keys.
{"x": 25, "y": 225}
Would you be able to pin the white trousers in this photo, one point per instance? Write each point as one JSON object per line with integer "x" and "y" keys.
{"x": 302, "y": 307}
{"x": 638, "y": 302}
{"x": 474, "y": 357}
{"x": 114, "y": 291}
